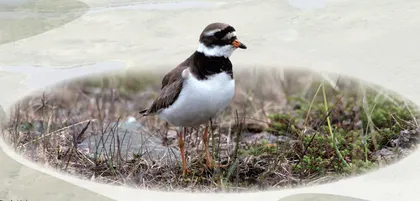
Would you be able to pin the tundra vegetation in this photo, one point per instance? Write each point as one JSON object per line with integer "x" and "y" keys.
{"x": 284, "y": 128}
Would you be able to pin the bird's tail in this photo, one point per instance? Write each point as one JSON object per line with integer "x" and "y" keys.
{"x": 143, "y": 113}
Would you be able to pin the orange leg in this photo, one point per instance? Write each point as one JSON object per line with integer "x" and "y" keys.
{"x": 181, "y": 148}
{"x": 206, "y": 146}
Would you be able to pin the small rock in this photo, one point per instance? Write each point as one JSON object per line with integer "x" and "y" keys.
{"x": 386, "y": 154}
{"x": 406, "y": 139}
{"x": 130, "y": 120}
{"x": 132, "y": 141}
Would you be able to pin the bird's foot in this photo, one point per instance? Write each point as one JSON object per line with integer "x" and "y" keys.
{"x": 186, "y": 172}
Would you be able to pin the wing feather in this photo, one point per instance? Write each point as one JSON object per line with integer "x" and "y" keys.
{"x": 170, "y": 90}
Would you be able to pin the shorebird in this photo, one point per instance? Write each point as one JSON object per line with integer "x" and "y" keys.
{"x": 200, "y": 87}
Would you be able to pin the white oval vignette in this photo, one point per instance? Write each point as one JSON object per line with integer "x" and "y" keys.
{"x": 361, "y": 39}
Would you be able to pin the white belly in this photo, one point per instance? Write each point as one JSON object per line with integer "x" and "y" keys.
{"x": 200, "y": 100}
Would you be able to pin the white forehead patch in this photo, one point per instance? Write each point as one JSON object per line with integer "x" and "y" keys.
{"x": 211, "y": 32}
{"x": 230, "y": 35}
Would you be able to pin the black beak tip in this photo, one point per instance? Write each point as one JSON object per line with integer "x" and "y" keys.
{"x": 242, "y": 46}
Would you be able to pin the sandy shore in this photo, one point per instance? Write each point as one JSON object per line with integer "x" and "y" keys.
{"x": 375, "y": 41}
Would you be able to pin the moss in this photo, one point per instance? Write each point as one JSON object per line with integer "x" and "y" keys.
{"x": 282, "y": 124}
{"x": 259, "y": 149}
{"x": 358, "y": 132}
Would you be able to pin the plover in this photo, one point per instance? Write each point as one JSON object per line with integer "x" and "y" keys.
{"x": 199, "y": 88}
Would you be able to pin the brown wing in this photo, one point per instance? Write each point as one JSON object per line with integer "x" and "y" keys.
{"x": 173, "y": 75}
{"x": 171, "y": 87}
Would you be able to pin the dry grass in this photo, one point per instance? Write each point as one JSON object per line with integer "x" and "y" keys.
{"x": 83, "y": 127}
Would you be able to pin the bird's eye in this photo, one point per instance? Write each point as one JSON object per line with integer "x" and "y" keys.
{"x": 218, "y": 35}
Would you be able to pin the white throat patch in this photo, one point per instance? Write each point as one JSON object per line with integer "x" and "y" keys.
{"x": 216, "y": 51}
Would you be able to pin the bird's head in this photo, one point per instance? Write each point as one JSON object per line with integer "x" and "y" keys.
{"x": 219, "y": 40}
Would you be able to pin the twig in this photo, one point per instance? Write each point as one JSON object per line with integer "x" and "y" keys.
{"x": 78, "y": 139}
{"x": 57, "y": 131}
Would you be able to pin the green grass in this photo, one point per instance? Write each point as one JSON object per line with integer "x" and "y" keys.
{"x": 348, "y": 138}
{"x": 324, "y": 133}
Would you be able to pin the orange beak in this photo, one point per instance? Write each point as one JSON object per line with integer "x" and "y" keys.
{"x": 236, "y": 43}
